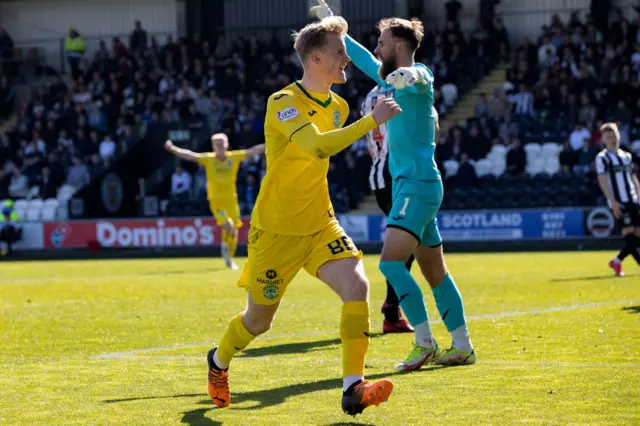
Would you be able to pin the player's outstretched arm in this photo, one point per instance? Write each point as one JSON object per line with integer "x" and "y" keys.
{"x": 324, "y": 145}
{"x": 284, "y": 117}
{"x": 254, "y": 150}
{"x": 181, "y": 153}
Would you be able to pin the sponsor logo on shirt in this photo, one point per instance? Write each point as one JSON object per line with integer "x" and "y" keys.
{"x": 287, "y": 114}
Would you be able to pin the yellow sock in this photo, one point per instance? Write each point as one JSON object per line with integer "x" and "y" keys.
{"x": 354, "y": 332}
{"x": 235, "y": 339}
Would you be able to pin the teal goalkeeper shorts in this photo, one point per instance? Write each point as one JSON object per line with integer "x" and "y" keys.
{"x": 415, "y": 207}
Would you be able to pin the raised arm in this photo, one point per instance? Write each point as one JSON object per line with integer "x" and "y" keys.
{"x": 363, "y": 59}
{"x": 254, "y": 150}
{"x": 181, "y": 153}
{"x": 360, "y": 56}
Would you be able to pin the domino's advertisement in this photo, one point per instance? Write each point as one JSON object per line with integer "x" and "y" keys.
{"x": 507, "y": 225}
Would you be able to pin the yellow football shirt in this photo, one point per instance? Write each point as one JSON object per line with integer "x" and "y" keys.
{"x": 294, "y": 195}
{"x": 222, "y": 174}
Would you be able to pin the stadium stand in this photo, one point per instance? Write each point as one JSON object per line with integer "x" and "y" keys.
{"x": 556, "y": 95}
{"x": 75, "y": 127}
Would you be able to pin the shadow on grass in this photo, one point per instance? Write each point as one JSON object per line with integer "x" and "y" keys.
{"x": 293, "y": 348}
{"x": 596, "y": 278}
{"x": 632, "y": 309}
{"x": 261, "y": 398}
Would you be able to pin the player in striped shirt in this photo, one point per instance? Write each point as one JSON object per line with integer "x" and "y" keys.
{"x": 621, "y": 188}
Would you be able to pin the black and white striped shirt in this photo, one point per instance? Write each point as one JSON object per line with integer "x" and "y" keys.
{"x": 618, "y": 167}
{"x": 379, "y": 176}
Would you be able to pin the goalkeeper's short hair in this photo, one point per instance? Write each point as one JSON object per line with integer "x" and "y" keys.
{"x": 314, "y": 35}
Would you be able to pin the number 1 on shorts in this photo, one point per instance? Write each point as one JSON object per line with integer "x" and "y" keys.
{"x": 404, "y": 207}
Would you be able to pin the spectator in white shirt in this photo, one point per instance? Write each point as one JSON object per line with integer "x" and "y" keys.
{"x": 546, "y": 46}
{"x": 180, "y": 181}
{"x": 577, "y": 137}
{"x": 107, "y": 148}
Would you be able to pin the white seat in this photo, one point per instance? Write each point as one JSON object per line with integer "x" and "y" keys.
{"x": 552, "y": 167}
{"x": 20, "y": 205}
{"x": 52, "y": 202}
{"x": 33, "y": 214}
{"x": 483, "y": 167}
{"x": 635, "y": 146}
{"x": 451, "y": 167}
{"x": 551, "y": 150}
{"x": 48, "y": 213}
{"x": 535, "y": 166}
{"x": 36, "y": 203}
{"x": 449, "y": 94}
{"x": 499, "y": 150}
{"x": 533, "y": 150}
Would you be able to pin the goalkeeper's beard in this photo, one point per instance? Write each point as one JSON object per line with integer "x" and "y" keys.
{"x": 387, "y": 66}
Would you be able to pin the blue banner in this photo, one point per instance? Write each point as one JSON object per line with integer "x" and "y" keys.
{"x": 497, "y": 225}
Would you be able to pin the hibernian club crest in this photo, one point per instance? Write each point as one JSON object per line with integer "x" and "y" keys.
{"x": 336, "y": 118}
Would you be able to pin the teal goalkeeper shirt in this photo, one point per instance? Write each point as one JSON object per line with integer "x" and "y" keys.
{"x": 411, "y": 134}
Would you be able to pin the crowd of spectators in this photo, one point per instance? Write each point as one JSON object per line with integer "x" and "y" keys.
{"x": 561, "y": 89}
{"x": 75, "y": 127}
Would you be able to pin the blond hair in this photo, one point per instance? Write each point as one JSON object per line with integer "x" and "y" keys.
{"x": 220, "y": 137}
{"x": 610, "y": 127}
{"x": 314, "y": 35}
{"x": 411, "y": 31}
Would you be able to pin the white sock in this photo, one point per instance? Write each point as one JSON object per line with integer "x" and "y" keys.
{"x": 616, "y": 260}
{"x": 461, "y": 339}
{"x": 219, "y": 363}
{"x": 349, "y": 380}
{"x": 423, "y": 336}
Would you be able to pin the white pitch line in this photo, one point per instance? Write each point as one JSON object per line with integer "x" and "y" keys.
{"x": 388, "y": 360}
{"x": 128, "y": 354}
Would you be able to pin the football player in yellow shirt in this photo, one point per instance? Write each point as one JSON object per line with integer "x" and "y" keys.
{"x": 293, "y": 225}
{"x": 221, "y": 167}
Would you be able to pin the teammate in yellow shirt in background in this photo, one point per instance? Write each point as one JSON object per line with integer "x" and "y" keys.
{"x": 221, "y": 167}
{"x": 293, "y": 225}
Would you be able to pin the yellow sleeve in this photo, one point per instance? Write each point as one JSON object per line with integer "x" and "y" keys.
{"x": 238, "y": 156}
{"x": 285, "y": 116}
{"x": 204, "y": 157}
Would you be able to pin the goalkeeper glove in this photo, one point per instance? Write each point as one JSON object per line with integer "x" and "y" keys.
{"x": 407, "y": 76}
{"x": 322, "y": 10}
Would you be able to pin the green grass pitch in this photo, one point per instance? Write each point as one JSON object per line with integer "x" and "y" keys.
{"x": 124, "y": 343}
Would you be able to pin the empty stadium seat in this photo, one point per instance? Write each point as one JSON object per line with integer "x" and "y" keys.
{"x": 483, "y": 167}
{"x": 533, "y": 150}
{"x": 552, "y": 166}
{"x": 551, "y": 150}
{"x": 48, "y": 213}
{"x": 451, "y": 167}
{"x": 535, "y": 165}
{"x": 499, "y": 150}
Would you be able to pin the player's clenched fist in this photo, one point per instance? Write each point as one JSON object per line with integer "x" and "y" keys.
{"x": 385, "y": 110}
{"x": 403, "y": 77}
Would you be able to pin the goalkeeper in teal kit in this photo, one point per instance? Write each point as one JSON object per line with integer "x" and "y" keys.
{"x": 417, "y": 191}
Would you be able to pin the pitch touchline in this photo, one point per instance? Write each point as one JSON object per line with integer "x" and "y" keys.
{"x": 383, "y": 360}
{"x": 128, "y": 354}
